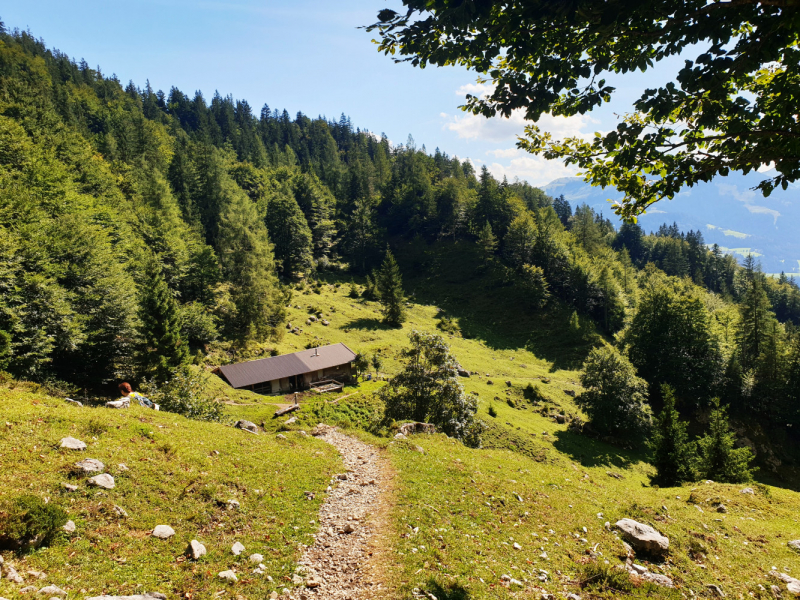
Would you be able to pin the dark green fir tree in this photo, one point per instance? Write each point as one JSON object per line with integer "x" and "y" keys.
{"x": 163, "y": 348}
{"x": 390, "y": 290}
{"x": 720, "y": 460}
{"x": 673, "y": 454}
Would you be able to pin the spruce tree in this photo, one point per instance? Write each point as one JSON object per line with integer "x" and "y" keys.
{"x": 487, "y": 243}
{"x": 163, "y": 348}
{"x": 390, "y": 290}
{"x": 673, "y": 454}
{"x": 719, "y": 459}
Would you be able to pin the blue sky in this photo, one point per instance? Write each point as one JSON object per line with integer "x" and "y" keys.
{"x": 305, "y": 55}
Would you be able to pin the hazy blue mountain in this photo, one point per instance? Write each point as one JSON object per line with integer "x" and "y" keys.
{"x": 727, "y": 211}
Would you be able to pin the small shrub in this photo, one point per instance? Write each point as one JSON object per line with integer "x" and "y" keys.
{"x": 58, "y": 388}
{"x": 533, "y": 394}
{"x": 492, "y": 411}
{"x": 95, "y": 427}
{"x": 28, "y": 522}
{"x": 511, "y": 403}
{"x": 186, "y": 394}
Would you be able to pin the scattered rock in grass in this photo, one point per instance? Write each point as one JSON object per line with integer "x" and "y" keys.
{"x": 517, "y": 546}
{"x": 490, "y": 382}
{"x": 643, "y": 537}
{"x": 163, "y": 532}
{"x": 572, "y": 597}
{"x": 73, "y": 402}
{"x": 247, "y": 426}
{"x": 37, "y": 574}
{"x": 256, "y": 558}
{"x": 290, "y": 421}
{"x": 71, "y": 443}
{"x": 123, "y": 467}
{"x": 12, "y": 575}
{"x": 321, "y": 429}
{"x": 28, "y": 589}
{"x": 280, "y": 436}
{"x": 400, "y": 436}
{"x": 775, "y": 591}
{"x": 237, "y": 548}
{"x": 52, "y": 590}
{"x": 195, "y": 550}
{"x": 233, "y": 504}
{"x": 124, "y": 403}
{"x": 325, "y": 323}
{"x": 90, "y": 465}
{"x": 69, "y": 487}
{"x": 792, "y": 584}
{"x": 508, "y": 383}
{"x": 794, "y": 545}
{"x": 69, "y": 527}
{"x": 104, "y": 480}
{"x": 463, "y": 372}
{"x": 412, "y": 428}
{"x": 419, "y": 449}
{"x": 120, "y": 512}
{"x": 561, "y": 419}
{"x": 715, "y": 590}
{"x": 722, "y": 508}
{"x": 228, "y": 576}
{"x": 748, "y": 490}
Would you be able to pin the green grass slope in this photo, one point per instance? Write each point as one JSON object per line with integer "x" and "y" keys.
{"x": 179, "y": 473}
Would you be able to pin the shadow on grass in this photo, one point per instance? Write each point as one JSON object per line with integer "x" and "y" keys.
{"x": 488, "y": 307}
{"x": 369, "y": 324}
{"x": 594, "y": 453}
{"x": 450, "y": 591}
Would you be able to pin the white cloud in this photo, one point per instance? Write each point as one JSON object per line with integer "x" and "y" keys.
{"x": 503, "y": 130}
{"x": 475, "y": 89}
{"x": 533, "y": 169}
{"x": 505, "y": 153}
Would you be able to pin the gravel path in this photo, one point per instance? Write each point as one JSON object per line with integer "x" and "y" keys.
{"x": 334, "y": 567}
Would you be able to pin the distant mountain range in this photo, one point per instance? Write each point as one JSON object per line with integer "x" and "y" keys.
{"x": 727, "y": 211}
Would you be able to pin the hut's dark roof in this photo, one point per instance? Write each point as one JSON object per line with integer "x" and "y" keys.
{"x": 278, "y": 367}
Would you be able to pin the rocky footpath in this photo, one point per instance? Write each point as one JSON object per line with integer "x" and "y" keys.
{"x": 333, "y": 567}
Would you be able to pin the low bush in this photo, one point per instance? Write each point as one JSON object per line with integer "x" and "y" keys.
{"x": 186, "y": 393}
{"x": 27, "y": 522}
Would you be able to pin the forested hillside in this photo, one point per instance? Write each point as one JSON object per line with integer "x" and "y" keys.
{"x": 142, "y": 228}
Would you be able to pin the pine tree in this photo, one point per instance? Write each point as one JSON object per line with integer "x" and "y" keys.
{"x": 719, "y": 459}
{"x": 289, "y": 231}
{"x": 163, "y": 348}
{"x": 673, "y": 454}
{"x": 390, "y": 290}
{"x": 487, "y": 243}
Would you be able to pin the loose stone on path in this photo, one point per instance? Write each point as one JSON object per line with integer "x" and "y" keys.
{"x": 333, "y": 567}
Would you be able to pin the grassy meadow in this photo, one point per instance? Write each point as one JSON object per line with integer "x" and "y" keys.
{"x": 455, "y": 513}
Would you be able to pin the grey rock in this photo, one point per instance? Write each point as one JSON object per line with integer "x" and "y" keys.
{"x": 237, "y": 548}
{"x": 794, "y": 545}
{"x": 163, "y": 532}
{"x": 348, "y": 528}
{"x": 90, "y": 465}
{"x": 715, "y": 590}
{"x": 233, "y": 504}
{"x": 639, "y": 569}
{"x": 52, "y": 590}
{"x": 643, "y": 537}
{"x": 228, "y": 576}
{"x": 776, "y": 591}
{"x": 68, "y": 487}
{"x": 280, "y": 436}
{"x": 722, "y": 508}
{"x": 290, "y": 421}
{"x": 247, "y": 426}
{"x": 28, "y": 589}
{"x": 12, "y": 575}
{"x": 71, "y": 443}
{"x": 658, "y": 579}
{"x": 74, "y": 402}
{"x": 37, "y": 574}
{"x": 412, "y": 428}
{"x": 69, "y": 527}
{"x": 124, "y": 403}
{"x": 123, "y": 467}
{"x": 748, "y": 490}
{"x": 463, "y": 372}
{"x": 104, "y": 480}
{"x": 399, "y": 436}
{"x": 419, "y": 449}
{"x": 195, "y": 549}
{"x": 255, "y": 558}
{"x": 120, "y": 512}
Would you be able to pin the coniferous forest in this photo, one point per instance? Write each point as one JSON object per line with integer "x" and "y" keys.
{"x": 141, "y": 229}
